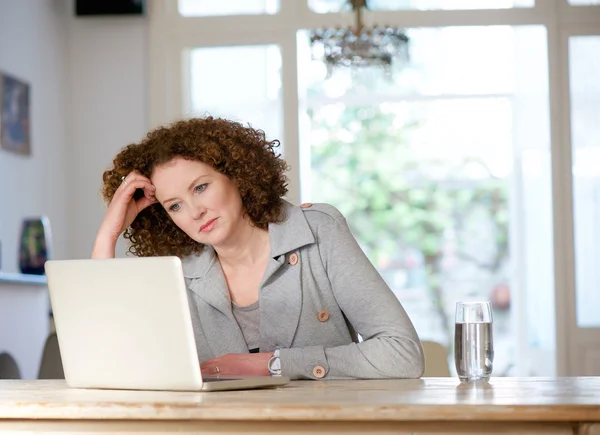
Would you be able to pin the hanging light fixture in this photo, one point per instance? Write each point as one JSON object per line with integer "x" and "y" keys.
{"x": 359, "y": 46}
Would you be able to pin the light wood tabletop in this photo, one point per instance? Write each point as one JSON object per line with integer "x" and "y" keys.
{"x": 428, "y": 405}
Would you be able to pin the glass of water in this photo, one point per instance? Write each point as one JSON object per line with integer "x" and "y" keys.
{"x": 473, "y": 341}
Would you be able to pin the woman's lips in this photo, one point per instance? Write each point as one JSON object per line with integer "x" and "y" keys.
{"x": 208, "y": 225}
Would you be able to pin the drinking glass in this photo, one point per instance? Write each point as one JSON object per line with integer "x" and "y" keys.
{"x": 473, "y": 341}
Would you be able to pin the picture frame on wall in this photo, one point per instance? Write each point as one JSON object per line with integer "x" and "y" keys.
{"x": 15, "y": 115}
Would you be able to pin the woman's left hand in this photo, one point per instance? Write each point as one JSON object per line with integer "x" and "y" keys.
{"x": 237, "y": 364}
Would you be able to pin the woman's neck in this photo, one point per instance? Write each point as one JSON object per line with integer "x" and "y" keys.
{"x": 250, "y": 246}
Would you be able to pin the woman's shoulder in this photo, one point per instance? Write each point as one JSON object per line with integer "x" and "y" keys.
{"x": 327, "y": 225}
{"x": 324, "y": 220}
{"x": 321, "y": 212}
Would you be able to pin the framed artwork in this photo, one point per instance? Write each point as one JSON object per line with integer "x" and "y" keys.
{"x": 14, "y": 115}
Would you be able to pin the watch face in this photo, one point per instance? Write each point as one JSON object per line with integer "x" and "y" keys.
{"x": 274, "y": 366}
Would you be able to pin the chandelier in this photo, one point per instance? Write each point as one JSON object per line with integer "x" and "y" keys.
{"x": 359, "y": 46}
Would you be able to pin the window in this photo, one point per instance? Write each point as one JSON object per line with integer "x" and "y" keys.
{"x": 585, "y": 135}
{"x": 467, "y": 125}
{"x": 217, "y": 88}
{"x": 326, "y": 6}
{"x": 584, "y": 2}
{"x": 205, "y": 8}
{"x": 428, "y": 166}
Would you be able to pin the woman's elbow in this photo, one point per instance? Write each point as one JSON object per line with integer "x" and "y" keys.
{"x": 417, "y": 370}
{"x": 414, "y": 366}
{"x": 404, "y": 359}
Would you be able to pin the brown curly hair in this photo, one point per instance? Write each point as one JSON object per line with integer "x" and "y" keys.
{"x": 241, "y": 153}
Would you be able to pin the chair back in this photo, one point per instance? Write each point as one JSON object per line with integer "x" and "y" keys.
{"x": 51, "y": 366}
{"x": 8, "y": 367}
{"x": 436, "y": 359}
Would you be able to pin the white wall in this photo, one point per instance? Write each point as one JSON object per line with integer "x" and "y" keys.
{"x": 107, "y": 61}
{"x": 33, "y": 47}
{"x": 88, "y": 79}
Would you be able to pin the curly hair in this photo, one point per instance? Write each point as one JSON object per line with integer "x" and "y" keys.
{"x": 241, "y": 153}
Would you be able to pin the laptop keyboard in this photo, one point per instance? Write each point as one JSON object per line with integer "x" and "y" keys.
{"x": 219, "y": 379}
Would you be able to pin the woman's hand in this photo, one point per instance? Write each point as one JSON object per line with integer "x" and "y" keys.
{"x": 237, "y": 364}
{"x": 121, "y": 212}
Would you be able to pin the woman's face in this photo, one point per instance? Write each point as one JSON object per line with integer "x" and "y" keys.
{"x": 204, "y": 203}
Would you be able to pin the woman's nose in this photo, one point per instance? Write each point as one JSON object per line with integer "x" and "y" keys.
{"x": 198, "y": 211}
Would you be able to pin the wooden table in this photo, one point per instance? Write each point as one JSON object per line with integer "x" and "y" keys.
{"x": 424, "y": 406}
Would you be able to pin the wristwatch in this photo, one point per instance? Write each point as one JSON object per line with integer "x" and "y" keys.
{"x": 274, "y": 364}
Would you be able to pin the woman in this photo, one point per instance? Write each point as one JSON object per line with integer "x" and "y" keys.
{"x": 273, "y": 288}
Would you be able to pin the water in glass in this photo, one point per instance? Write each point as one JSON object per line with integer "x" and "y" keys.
{"x": 473, "y": 341}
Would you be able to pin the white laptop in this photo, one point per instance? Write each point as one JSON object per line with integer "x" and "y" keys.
{"x": 125, "y": 324}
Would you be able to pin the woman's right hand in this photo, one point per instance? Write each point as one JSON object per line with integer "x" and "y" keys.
{"x": 121, "y": 212}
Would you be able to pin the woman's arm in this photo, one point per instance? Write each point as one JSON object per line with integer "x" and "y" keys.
{"x": 391, "y": 347}
{"x": 122, "y": 210}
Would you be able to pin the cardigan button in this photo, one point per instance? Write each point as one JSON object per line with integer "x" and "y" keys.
{"x": 323, "y": 316}
{"x": 319, "y": 372}
{"x": 293, "y": 260}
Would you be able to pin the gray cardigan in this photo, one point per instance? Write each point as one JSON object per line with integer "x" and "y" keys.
{"x": 319, "y": 290}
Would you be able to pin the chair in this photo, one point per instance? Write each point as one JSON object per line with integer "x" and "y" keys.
{"x": 51, "y": 365}
{"x": 436, "y": 359}
{"x": 8, "y": 367}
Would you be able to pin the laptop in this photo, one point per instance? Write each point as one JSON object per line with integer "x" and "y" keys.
{"x": 124, "y": 323}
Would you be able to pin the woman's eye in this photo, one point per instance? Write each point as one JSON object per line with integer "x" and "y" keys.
{"x": 201, "y": 187}
{"x": 174, "y": 207}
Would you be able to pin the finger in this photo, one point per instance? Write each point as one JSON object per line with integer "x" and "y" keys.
{"x": 129, "y": 189}
{"x": 133, "y": 176}
{"x": 211, "y": 371}
{"x": 210, "y": 366}
{"x": 144, "y": 202}
{"x": 126, "y": 181}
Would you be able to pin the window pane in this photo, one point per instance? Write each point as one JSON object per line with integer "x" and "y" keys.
{"x": 584, "y": 70}
{"x": 238, "y": 83}
{"x": 584, "y": 2}
{"x": 325, "y": 6}
{"x": 438, "y": 60}
{"x": 444, "y": 178}
{"x": 203, "y": 8}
